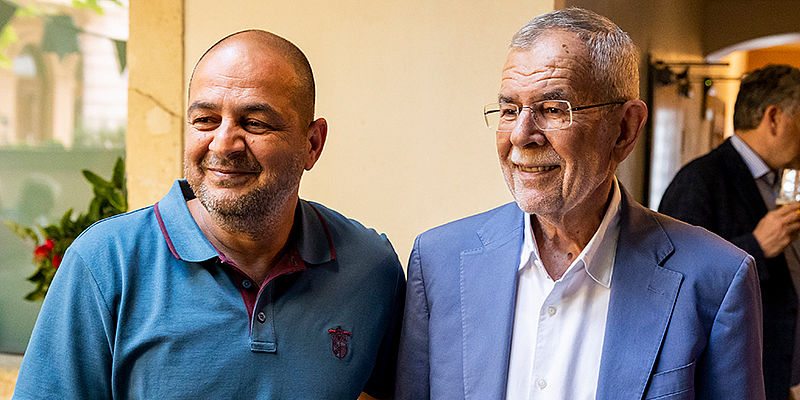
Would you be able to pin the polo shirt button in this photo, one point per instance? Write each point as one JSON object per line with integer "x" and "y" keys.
{"x": 246, "y": 284}
{"x": 261, "y": 317}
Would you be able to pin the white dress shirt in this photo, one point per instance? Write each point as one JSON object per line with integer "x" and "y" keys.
{"x": 559, "y": 326}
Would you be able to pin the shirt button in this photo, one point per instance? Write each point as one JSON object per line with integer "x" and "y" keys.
{"x": 261, "y": 317}
{"x": 247, "y": 284}
{"x": 551, "y": 310}
{"x": 541, "y": 383}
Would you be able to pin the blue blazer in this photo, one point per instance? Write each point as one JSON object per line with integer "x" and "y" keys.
{"x": 684, "y": 317}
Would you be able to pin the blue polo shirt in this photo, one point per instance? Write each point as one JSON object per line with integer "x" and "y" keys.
{"x": 144, "y": 307}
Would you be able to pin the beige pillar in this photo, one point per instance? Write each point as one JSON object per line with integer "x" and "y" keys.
{"x": 154, "y": 142}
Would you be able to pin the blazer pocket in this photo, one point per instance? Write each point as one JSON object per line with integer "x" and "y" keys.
{"x": 674, "y": 384}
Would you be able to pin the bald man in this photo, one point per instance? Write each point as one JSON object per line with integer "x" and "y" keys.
{"x": 230, "y": 286}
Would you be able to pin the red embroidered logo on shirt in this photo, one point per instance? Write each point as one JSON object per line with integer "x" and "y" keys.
{"x": 339, "y": 339}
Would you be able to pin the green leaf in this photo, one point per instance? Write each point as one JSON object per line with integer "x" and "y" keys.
{"x": 120, "y": 47}
{"x": 29, "y": 11}
{"x": 48, "y": 273}
{"x": 90, "y": 4}
{"x": 22, "y": 231}
{"x": 116, "y": 200}
{"x": 66, "y": 220}
{"x": 94, "y": 209}
{"x": 96, "y": 181}
{"x": 37, "y": 276}
{"x": 109, "y": 199}
{"x": 60, "y": 35}
{"x": 52, "y": 232}
{"x": 8, "y": 37}
{"x": 118, "y": 177}
{"x": 65, "y": 244}
{"x": 7, "y": 10}
{"x": 35, "y": 295}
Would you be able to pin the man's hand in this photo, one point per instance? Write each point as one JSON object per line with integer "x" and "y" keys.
{"x": 777, "y": 229}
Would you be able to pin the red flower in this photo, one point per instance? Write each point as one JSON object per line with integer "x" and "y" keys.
{"x": 43, "y": 251}
{"x": 56, "y": 261}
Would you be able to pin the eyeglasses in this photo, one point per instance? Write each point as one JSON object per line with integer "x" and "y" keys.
{"x": 548, "y": 115}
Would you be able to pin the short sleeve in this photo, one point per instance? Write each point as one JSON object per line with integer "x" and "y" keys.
{"x": 69, "y": 354}
{"x": 381, "y": 383}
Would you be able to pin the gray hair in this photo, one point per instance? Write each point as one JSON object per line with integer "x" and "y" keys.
{"x": 772, "y": 85}
{"x": 613, "y": 57}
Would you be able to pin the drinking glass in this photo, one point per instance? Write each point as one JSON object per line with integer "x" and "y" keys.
{"x": 789, "y": 191}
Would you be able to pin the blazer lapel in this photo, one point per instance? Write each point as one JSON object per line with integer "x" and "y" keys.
{"x": 488, "y": 287}
{"x": 642, "y": 298}
{"x": 741, "y": 178}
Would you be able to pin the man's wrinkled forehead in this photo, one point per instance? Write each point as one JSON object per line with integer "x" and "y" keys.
{"x": 554, "y": 66}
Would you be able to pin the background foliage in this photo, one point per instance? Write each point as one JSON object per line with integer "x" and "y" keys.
{"x": 51, "y": 241}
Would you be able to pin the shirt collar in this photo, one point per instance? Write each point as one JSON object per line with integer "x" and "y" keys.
{"x": 598, "y": 255}
{"x": 758, "y": 168}
{"x": 187, "y": 242}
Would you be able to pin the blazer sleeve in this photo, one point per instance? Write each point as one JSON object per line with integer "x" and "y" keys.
{"x": 731, "y": 366}
{"x": 413, "y": 368}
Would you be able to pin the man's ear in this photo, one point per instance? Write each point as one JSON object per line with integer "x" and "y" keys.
{"x": 634, "y": 115}
{"x": 770, "y": 119}
{"x": 317, "y": 133}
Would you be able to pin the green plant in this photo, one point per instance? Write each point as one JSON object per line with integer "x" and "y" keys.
{"x": 51, "y": 241}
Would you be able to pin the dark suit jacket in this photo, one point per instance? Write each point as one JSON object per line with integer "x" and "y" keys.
{"x": 718, "y": 192}
{"x": 683, "y": 316}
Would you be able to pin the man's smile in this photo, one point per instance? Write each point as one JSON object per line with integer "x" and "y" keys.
{"x": 229, "y": 171}
{"x": 544, "y": 168}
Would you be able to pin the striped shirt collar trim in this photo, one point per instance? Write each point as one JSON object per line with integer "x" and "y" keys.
{"x": 187, "y": 242}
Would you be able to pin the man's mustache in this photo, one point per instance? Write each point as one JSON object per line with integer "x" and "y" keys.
{"x": 238, "y": 163}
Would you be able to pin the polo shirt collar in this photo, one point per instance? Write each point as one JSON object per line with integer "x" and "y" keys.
{"x": 187, "y": 242}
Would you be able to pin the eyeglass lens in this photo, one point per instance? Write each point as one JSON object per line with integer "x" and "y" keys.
{"x": 547, "y": 115}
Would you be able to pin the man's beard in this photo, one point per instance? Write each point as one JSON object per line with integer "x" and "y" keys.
{"x": 256, "y": 211}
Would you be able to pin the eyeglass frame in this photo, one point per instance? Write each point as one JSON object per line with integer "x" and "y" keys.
{"x": 535, "y": 120}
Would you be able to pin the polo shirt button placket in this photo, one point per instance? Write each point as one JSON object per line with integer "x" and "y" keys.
{"x": 262, "y": 335}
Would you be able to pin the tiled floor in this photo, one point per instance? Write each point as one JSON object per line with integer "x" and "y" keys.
{"x": 9, "y": 365}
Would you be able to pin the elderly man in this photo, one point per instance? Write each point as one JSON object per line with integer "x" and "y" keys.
{"x": 731, "y": 191}
{"x": 575, "y": 291}
{"x": 230, "y": 287}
